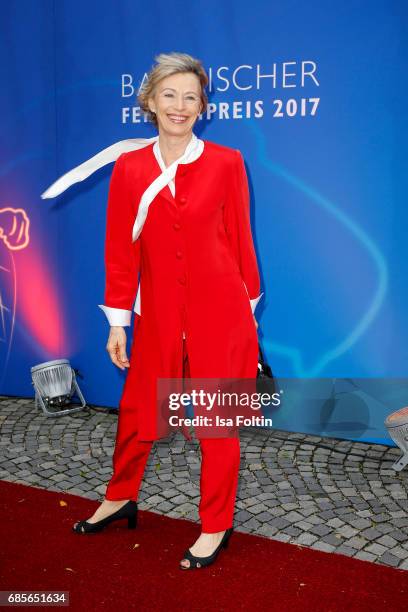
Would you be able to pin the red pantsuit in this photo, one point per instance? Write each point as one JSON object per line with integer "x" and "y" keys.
{"x": 198, "y": 280}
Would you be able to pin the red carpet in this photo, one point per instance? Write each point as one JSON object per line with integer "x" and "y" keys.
{"x": 137, "y": 569}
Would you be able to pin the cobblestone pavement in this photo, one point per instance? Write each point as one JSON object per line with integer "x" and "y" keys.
{"x": 324, "y": 493}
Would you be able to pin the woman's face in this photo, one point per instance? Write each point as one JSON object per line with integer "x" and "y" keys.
{"x": 177, "y": 103}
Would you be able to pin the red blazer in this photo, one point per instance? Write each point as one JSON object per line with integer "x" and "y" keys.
{"x": 196, "y": 264}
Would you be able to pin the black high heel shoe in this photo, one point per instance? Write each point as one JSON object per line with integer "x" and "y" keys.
{"x": 127, "y": 511}
{"x": 204, "y": 561}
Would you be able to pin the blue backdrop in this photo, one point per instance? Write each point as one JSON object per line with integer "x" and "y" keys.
{"x": 313, "y": 94}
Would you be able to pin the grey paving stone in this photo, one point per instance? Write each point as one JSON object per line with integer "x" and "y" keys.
{"x": 365, "y": 556}
{"x": 293, "y": 517}
{"x": 335, "y": 522}
{"x": 179, "y": 499}
{"x": 293, "y": 531}
{"x": 320, "y": 530}
{"x": 264, "y": 517}
{"x": 360, "y": 523}
{"x": 242, "y": 516}
{"x": 257, "y": 508}
{"x": 304, "y": 525}
{"x": 399, "y": 551}
{"x": 389, "y": 559}
{"x": 57, "y": 477}
{"x": 267, "y": 530}
{"x": 169, "y": 493}
{"x": 376, "y": 549}
{"x": 387, "y": 541}
{"x": 371, "y": 533}
{"x": 306, "y": 539}
{"x": 279, "y": 522}
{"x": 332, "y": 538}
{"x": 282, "y": 537}
{"x": 343, "y": 549}
{"x": 346, "y": 531}
{"x": 357, "y": 542}
{"x": 251, "y": 524}
{"x": 324, "y": 546}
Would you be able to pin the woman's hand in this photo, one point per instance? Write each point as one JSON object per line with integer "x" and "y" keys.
{"x": 116, "y": 347}
{"x": 256, "y": 323}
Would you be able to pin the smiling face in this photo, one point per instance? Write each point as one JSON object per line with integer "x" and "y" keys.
{"x": 177, "y": 103}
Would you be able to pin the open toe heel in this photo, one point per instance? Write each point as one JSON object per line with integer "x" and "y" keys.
{"x": 196, "y": 562}
{"x": 127, "y": 511}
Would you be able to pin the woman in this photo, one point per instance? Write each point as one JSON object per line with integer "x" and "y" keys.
{"x": 198, "y": 288}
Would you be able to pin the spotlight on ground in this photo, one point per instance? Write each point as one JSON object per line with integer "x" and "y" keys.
{"x": 397, "y": 425}
{"x": 55, "y": 386}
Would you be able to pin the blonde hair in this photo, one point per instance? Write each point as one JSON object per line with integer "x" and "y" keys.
{"x": 168, "y": 64}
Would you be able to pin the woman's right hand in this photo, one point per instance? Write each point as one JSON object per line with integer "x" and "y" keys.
{"x": 116, "y": 347}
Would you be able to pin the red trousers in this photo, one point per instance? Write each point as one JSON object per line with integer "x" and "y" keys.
{"x": 219, "y": 469}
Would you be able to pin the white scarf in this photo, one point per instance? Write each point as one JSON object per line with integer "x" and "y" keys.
{"x": 193, "y": 151}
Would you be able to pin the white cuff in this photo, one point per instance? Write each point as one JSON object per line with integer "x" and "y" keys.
{"x": 117, "y": 316}
{"x": 255, "y": 301}
{"x": 136, "y": 307}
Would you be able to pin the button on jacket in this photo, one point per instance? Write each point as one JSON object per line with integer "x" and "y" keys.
{"x": 195, "y": 265}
